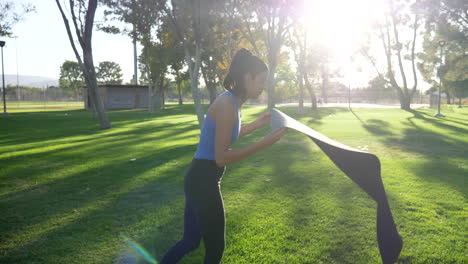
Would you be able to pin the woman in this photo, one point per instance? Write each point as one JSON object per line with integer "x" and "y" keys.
{"x": 204, "y": 209}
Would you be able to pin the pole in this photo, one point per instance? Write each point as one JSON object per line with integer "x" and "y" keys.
{"x": 18, "y": 93}
{"x": 349, "y": 95}
{"x": 135, "y": 70}
{"x": 441, "y": 44}
{"x": 2, "y": 43}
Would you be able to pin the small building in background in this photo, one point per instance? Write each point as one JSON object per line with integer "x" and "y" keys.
{"x": 120, "y": 96}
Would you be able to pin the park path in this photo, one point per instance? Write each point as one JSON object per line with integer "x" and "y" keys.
{"x": 353, "y": 105}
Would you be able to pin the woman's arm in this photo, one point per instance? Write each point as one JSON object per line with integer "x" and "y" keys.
{"x": 261, "y": 121}
{"x": 225, "y": 120}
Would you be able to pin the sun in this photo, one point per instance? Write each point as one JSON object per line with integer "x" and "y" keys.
{"x": 340, "y": 24}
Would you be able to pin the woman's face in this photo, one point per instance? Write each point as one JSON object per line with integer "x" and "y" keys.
{"x": 255, "y": 84}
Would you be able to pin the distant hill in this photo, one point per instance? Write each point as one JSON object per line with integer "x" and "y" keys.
{"x": 28, "y": 80}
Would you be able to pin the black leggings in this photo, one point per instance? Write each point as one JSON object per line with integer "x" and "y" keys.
{"x": 204, "y": 213}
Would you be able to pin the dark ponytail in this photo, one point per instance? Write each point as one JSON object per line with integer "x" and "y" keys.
{"x": 242, "y": 63}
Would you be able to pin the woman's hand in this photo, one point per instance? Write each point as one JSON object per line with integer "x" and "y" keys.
{"x": 276, "y": 135}
{"x": 263, "y": 119}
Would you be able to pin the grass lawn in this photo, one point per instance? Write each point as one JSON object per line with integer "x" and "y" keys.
{"x": 69, "y": 190}
{"x": 33, "y": 106}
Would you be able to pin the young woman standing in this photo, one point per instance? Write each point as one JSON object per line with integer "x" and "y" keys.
{"x": 204, "y": 209}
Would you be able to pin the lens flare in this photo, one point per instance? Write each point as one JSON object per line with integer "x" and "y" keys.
{"x": 141, "y": 250}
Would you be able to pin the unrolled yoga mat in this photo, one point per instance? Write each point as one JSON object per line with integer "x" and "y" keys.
{"x": 364, "y": 169}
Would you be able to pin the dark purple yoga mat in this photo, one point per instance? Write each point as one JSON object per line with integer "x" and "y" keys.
{"x": 364, "y": 169}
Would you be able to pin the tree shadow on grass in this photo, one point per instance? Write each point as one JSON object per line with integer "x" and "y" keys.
{"x": 438, "y": 122}
{"x": 378, "y": 127}
{"x": 95, "y": 208}
{"x": 435, "y": 146}
{"x": 66, "y": 219}
{"x": 23, "y": 128}
{"x": 105, "y": 147}
{"x": 308, "y": 198}
{"x": 340, "y": 213}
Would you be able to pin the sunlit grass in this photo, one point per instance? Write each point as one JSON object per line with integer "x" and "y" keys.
{"x": 69, "y": 191}
{"x": 41, "y": 106}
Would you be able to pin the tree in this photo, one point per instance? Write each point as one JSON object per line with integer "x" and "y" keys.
{"x": 285, "y": 87}
{"x": 71, "y": 77}
{"x": 218, "y": 47}
{"x": 157, "y": 55}
{"x": 109, "y": 72}
{"x": 182, "y": 82}
{"x": 154, "y": 67}
{"x": 397, "y": 22}
{"x": 376, "y": 88}
{"x": 447, "y": 23}
{"x": 190, "y": 23}
{"x": 83, "y": 22}
{"x": 145, "y": 17}
{"x": 459, "y": 88}
{"x": 177, "y": 62}
{"x": 9, "y": 16}
{"x": 269, "y": 20}
{"x": 297, "y": 40}
{"x": 317, "y": 71}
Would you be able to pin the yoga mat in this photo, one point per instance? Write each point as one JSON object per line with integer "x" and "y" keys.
{"x": 364, "y": 169}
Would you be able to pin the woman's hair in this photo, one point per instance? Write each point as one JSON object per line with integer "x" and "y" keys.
{"x": 242, "y": 63}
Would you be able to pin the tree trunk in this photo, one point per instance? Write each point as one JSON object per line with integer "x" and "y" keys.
{"x": 324, "y": 87}
{"x": 87, "y": 64}
{"x": 158, "y": 97}
{"x": 150, "y": 97}
{"x": 163, "y": 98}
{"x": 76, "y": 95}
{"x": 405, "y": 102}
{"x": 271, "y": 82}
{"x": 95, "y": 97}
{"x": 194, "y": 69}
{"x": 301, "y": 91}
{"x": 448, "y": 97}
{"x": 212, "y": 91}
{"x": 210, "y": 86}
{"x": 459, "y": 102}
{"x": 179, "y": 92}
{"x": 313, "y": 98}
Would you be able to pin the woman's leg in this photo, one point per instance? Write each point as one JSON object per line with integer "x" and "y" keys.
{"x": 209, "y": 204}
{"x": 204, "y": 214}
{"x": 192, "y": 236}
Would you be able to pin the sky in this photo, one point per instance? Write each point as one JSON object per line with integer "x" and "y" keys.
{"x": 42, "y": 44}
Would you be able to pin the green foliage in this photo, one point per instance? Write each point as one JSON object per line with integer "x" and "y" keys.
{"x": 71, "y": 77}
{"x": 444, "y": 22}
{"x": 459, "y": 88}
{"x": 286, "y": 87}
{"x": 10, "y": 14}
{"x": 109, "y": 72}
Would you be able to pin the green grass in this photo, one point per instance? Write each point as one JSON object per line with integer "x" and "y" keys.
{"x": 44, "y": 106}
{"x": 68, "y": 190}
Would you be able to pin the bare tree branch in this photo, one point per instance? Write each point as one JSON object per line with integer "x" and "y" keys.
{"x": 67, "y": 26}
{"x": 399, "y": 47}
{"x": 415, "y": 28}
{"x": 366, "y": 54}
{"x": 79, "y": 34}
{"x": 89, "y": 22}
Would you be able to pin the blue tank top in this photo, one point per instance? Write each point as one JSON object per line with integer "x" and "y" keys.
{"x": 206, "y": 147}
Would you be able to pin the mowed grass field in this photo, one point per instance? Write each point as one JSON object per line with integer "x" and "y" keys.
{"x": 36, "y": 106}
{"x": 69, "y": 190}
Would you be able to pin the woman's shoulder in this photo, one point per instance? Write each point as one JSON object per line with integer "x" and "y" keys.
{"x": 224, "y": 104}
